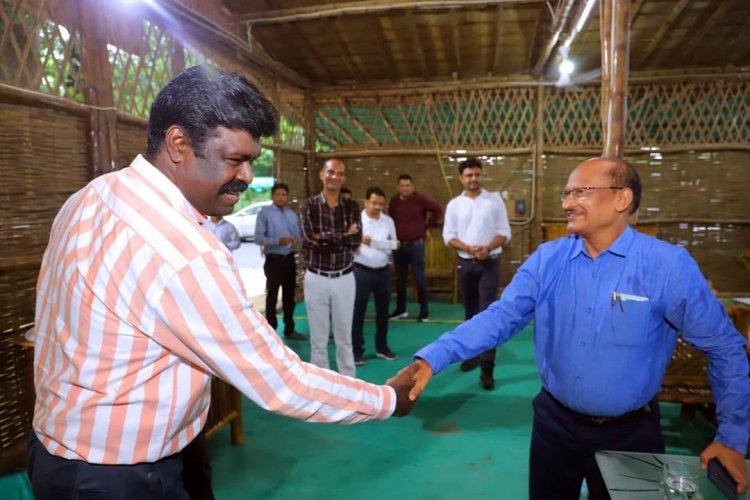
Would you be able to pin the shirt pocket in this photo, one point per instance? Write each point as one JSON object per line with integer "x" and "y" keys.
{"x": 631, "y": 323}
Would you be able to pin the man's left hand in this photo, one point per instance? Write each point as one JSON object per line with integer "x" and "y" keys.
{"x": 482, "y": 253}
{"x": 733, "y": 460}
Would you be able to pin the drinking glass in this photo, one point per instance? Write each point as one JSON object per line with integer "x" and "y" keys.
{"x": 680, "y": 481}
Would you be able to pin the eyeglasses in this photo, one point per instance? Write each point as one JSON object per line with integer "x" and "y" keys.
{"x": 581, "y": 192}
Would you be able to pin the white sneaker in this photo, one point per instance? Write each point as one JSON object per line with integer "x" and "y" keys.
{"x": 399, "y": 316}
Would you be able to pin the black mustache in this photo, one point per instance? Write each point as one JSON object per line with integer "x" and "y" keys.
{"x": 233, "y": 187}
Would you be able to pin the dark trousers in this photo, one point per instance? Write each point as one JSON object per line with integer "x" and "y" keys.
{"x": 411, "y": 254}
{"x": 57, "y": 478}
{"x": 280, "y": 271}
{"x": 478, "y": 281}
{"x": 563, "y": 448}
{"x": 377, "y": 282}
{"x": 197, "y": 472}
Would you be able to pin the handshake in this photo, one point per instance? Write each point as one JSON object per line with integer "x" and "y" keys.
{"x": 409, "y": 384}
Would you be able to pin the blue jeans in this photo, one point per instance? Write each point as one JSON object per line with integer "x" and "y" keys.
{"x": 57, "y": 478}
{"x": 379, "y": 283}
{"x": 411, "y": 253}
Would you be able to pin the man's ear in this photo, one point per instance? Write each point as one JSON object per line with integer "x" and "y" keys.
{"x": 177, "y": 144}
{"x": 623, "y": 199}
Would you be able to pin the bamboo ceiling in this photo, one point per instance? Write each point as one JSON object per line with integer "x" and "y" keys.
{"x": 388, "y": 42}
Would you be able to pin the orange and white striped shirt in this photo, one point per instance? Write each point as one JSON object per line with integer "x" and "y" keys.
{"x": 137, "y": 305}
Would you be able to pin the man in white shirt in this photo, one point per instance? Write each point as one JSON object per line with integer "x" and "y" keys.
{"x": 476, "y": 225}
{"x": 372, "y": 274}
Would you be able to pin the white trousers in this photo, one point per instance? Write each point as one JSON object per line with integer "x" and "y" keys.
{"x": 326, "y": 299}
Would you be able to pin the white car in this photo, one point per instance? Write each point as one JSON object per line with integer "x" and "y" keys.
{"x": 244, "y": 219}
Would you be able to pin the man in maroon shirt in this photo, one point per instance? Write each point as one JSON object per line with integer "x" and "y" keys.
{"x": 409, "y": 211}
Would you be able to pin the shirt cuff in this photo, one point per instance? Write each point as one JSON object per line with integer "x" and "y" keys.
{"x": 734, "y": 436}
{"x": 388, "y": 397}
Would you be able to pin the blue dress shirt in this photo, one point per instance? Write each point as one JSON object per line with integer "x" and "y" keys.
{"x": 605, "y": 328}
{"x": 272, "y": 224}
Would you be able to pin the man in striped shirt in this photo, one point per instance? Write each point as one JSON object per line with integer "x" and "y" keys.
{"x": 138, "y": 306}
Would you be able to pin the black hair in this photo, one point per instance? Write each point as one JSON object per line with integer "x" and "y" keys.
{"x": 202, "y": 98}
{"x": 624, "y": 174}
{"x": 374, "y": 190}
{"x": 280, "y": 185}
{"x": 469, "y": 163}
{"x": 404, "y": 177}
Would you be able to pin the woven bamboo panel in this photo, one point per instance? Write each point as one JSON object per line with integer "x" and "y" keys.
{"x": 131, "y": 141}
{"x": 695, "y": 113}
{"x": 42, "y": 162}
{"x": 716, "y": 112}
{"x": 475, "y": 118}
{"x": 39, "y": 52}
{"x": 137, "y": 78}
{"x": 291, "y": 106}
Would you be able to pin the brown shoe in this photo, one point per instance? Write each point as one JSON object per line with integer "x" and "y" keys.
{"x": 487, "y": 380}
{"x": 295, "y": 336}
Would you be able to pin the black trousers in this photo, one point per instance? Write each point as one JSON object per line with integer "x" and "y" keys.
{"x": 411, "y": 254}
{"x": 57, "y": 478}
{"x": 377, "y": 282}
{"x": 280, "y": 271}
{"x": 563, "y": 448}
{"x": 478, "y": 282}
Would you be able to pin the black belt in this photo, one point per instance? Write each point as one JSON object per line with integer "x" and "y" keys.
{"x": 370, "y": 269}
{"x": 643, "y": 411}
{"x": 408, "y": 243}
{"x": 278, "y": 255}
{"x": 331, "y": 274}
{"x": 474, "y": 259}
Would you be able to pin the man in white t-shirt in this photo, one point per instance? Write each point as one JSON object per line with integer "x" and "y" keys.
{"x": 476, "y": 225}
{"x": 373, "y": 275}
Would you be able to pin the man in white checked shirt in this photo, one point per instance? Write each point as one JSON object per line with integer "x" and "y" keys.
{"x": 138, "y": 306}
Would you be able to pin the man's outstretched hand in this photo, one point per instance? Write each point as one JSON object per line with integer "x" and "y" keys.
{"x": 409, "y": 384}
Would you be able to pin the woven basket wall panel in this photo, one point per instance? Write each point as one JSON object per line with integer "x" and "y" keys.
{"x": 131, "y": 141}
{"x": 43, "y": 160}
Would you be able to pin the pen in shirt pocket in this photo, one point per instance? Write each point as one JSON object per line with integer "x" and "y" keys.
{"x": 624, "y": 297}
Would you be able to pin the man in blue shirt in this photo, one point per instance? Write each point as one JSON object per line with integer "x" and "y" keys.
{"x": 607, "y": 303}
{"x": 277, "y": 231}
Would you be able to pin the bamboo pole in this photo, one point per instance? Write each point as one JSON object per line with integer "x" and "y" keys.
{"x": 536, "y": 230}
{"x": 615, "y": 65}
{"x": 102, "y": 138}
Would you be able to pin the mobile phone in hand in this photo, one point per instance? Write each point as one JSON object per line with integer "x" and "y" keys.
{"x": 719, "y": 475}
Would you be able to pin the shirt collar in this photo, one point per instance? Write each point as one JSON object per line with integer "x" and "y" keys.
{"x": 165, "y": 187}
{"x": 481, "y": 194}
{"x": 619, "y": 247}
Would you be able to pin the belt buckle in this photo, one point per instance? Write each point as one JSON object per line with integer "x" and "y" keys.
{"x": 334, "y": 274}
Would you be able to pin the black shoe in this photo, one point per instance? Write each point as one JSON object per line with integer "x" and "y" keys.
{"x": 423, "y": 318}
{"x": 470, "y": 364}
{"x": 295, "y": 336}
{"x": 398, "y": 315}
{"x": 389, "y": 355}
{"x": 487, "y": 380}
{"x": 359, "y": 361}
